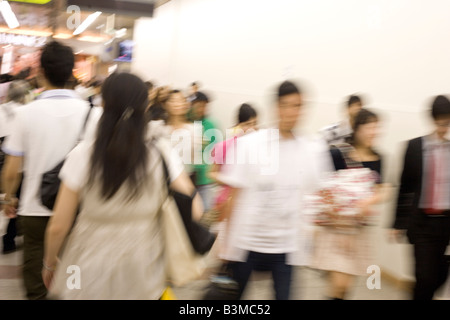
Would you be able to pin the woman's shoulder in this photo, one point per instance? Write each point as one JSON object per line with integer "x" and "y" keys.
{"x": 81, "y": 151}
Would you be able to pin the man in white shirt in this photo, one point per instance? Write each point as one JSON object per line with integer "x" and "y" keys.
{"x": 269, "y": 172}
{"x": 339, "y": 132}
{"x": 43, "y": 133}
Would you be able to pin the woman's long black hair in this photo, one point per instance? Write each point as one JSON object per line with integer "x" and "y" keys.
{"x": 120, "y": 152}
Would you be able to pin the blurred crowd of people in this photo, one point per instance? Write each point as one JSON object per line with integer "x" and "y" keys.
{"x": 262, "y": 190}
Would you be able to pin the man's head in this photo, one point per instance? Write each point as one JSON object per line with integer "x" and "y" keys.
{"x": 289, "y": 105}
{"x": 354, "y": 105}
{"x": 199, "y": 105}
{"x": 440, "y": 112}
{"x": 57, "y": 62}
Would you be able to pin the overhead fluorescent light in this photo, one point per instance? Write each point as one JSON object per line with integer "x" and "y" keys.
{"x": 86, "y": 23}
{"x": 8, "y": 15}
{"x": 62, "y": 36}
{"x": 27, "y": 32}
{"x": 121, "y": 33}
{"x": 91, "y": 38}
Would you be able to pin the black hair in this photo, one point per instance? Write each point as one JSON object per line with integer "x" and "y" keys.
{"x": 57, "y": 62}
{"x": 156, "y": 112}
{"x": 246, "y": 112}
{"x": 363, "y": 117}
{"x": 353, "y": 99}
{"x": 120, "y": 152}
{"x": 440, "y": 107}
{"x": 200, "y": 97}
{"x": 149, "y": 85}
{"x": 287, "y": 88}
{"x": 6, "y": 77}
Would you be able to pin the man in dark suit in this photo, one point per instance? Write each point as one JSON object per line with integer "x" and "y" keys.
{"x": 423, "y": 204}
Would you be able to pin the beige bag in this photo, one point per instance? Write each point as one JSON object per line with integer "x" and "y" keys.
{"x": 183, "y": 264}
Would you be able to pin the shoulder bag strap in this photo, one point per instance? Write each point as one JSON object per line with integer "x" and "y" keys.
{"x": 83, "y": 128}
{"x": 166, "y": 170}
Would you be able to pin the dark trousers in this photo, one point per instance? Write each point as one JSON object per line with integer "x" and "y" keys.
{"x": 9, "y": 243}
{"x": 33, "y": 255}
{"x": 276, "y": 263}
{"x": 431, "y": 264}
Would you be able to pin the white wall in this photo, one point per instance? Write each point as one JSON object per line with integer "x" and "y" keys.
{"x": 395, "y": 52}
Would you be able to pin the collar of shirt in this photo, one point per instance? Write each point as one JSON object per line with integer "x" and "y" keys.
{"x": 431, "y": 141}
{"x": 58, "y": 94}
{"x": 272, "y": 133}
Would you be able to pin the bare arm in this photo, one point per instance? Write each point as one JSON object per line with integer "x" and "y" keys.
{"x": 60, "y": 223}
{"x": 10, "y": 183}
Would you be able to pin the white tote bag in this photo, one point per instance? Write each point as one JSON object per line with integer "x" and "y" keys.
{"x": 183, "y": 264}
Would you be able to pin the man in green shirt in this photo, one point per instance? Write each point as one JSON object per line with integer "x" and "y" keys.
{"x": 198, "y": 113}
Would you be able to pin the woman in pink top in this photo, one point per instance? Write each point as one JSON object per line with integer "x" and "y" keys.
{"x": 247, "y": 122}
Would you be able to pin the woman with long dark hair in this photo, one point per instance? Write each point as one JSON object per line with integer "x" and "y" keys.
{"x": 117, "y": 182}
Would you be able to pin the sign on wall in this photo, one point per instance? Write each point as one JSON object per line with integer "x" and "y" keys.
{"x": 22, "y": 40}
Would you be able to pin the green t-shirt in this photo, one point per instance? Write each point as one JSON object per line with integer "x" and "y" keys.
{"x": 202, "y": 169}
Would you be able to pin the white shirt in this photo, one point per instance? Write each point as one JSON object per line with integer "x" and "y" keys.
{"x": 75, "y": 171}
{"x": 90, "y": 131}
{"x": 7, "y": 114}
{"x": 441, "y": 150}
{"x": 44, "y": 131}
{"x": 268, "y": 209}
{"x": 182, "y": 141}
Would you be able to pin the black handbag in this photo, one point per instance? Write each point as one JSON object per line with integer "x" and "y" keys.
{"x": 201, "y": 238}
{"x": 50, "y": 186}
{"x": 50, "y": 182}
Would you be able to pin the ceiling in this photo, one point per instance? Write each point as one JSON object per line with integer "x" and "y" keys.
{"x": 53, "y": 18}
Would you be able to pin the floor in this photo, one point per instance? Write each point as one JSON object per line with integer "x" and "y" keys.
{"x": 308, "y": 284}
